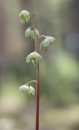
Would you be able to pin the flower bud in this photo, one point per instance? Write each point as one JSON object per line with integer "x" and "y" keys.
{"x": 34, "y": 57}
{"x": 27, "y": 90}
{"x": 24, "y": 16}
{"x": 30, "y": 32}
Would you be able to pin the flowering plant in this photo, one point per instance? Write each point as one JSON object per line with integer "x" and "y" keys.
{"x": 35, "y": 57}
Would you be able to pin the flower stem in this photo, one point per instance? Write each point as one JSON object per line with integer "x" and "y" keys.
{"x": 37, "y": 75}
{"x": 37, "y": 98}
{"x": 32, "y": 81}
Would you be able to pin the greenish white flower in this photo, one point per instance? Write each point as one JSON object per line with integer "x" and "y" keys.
{"x": 51, "y": 39}
{"x": 47, "y": 41}
{"x": 24, "y": 16}
{"x": 34, "y": 57}
{"x": 26, "y": 89}
{"x": 30, "y": 32}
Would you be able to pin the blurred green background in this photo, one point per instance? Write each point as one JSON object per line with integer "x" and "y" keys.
{"x": 59, "y": 80}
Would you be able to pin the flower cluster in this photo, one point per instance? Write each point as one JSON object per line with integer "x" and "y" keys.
{"x": 25, "y": 17}
{"x": 35, "y": 57}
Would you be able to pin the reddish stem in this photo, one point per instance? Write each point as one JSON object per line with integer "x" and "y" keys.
{"x": 37, "y": 75}
{"x": 37, "y": 99}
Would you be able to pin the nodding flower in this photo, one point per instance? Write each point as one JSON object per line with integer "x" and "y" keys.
{"x": 27, "y": 89}
{"x": 30, "y": 32}
{"x": 34, "y": 57}
{"x": 47, "y": 41}
{"x": 24, "y": 16}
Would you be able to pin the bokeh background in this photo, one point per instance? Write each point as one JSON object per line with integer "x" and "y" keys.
{"x": 59, "y": 81}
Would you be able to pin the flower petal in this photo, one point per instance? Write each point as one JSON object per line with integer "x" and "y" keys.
{"x": 24, "y": 88}
{"x": 51, "y": 39}
{"x": 28, "y": 32}
{"x": 27, "y": 59}
{"x": 33, "y": 35}
{"x": 44, "y": 43}
{"x": 32, "y": 90}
